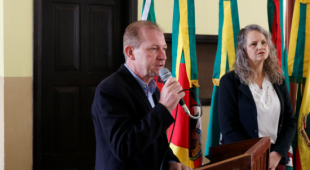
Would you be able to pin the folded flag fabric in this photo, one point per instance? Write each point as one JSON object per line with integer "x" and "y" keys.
{"x": 299, "y": 72}
{"x": 224, "y": 59}
{"x": 148, "y": 11}
{"x": 186, "y": 139}
{"x": 275, "y": 21}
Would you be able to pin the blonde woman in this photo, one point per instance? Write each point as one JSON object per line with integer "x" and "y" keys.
{"x": 253, "y": 98}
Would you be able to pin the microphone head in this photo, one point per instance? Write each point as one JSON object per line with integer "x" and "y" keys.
{"x": 164, "y": 74}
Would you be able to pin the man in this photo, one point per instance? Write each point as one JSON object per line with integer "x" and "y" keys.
{"x": 130, "y": 114}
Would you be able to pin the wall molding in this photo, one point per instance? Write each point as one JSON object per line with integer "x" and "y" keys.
{"x": 200, "y": 38}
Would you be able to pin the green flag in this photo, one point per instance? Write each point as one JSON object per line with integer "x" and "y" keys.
{"x": 224, "y": 59}
{"x": 148, "y": 12}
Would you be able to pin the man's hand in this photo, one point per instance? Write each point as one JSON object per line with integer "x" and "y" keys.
{"x": 178, "y": 166}
{"x": 274, "y": 159}
{"x": 171, "y": 94}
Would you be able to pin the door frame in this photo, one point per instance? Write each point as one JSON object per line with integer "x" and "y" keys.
{"x": 37, "y": 72}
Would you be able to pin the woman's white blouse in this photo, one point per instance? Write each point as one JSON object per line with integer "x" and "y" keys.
{"x": 268, "y": 109}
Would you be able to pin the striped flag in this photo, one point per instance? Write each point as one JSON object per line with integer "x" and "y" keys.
{"x": 224, "y": 59}
{"x": 299, "y": 72}
{"x": 186, "y": 139}
{"x": 148, "y": 11}
{"x": 275, "y": 21}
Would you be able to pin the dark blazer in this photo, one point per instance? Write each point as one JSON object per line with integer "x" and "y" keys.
{"x": 130, "y": 134}
{"x": 238, "y": 116}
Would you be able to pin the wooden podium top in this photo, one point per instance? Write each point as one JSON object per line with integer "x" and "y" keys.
{"x": 249, "y": 154}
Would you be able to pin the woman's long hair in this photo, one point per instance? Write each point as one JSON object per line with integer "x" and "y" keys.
{"x": 242, "y": 67}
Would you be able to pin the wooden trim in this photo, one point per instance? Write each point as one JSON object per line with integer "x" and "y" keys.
{"x": 199, "y": 38}
{"x": 37, "y": 56}
{"x": 205, "y": 102}
{"x": 134, "y": 10}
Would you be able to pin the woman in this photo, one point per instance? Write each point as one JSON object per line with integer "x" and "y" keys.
{"x": 254, "y": 100}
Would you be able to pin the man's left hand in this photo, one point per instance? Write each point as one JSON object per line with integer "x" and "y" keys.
{"x": 178, "y": 166}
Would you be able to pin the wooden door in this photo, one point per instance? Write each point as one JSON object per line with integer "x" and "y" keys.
{"x": 77, "y": 43}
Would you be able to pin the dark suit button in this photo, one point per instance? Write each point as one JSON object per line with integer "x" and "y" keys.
{"x": 255, "y": 130}
{"x": 281, "y": 125}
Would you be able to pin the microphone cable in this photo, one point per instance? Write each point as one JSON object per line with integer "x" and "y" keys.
{"x": 175, "y": 118}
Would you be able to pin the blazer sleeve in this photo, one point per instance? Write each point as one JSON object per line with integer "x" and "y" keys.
{"x": 228, "y": 112}
{"x": 288, "y": 126}
{"x": 127, "y": 135}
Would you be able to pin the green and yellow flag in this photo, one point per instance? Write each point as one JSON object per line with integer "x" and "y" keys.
{"x": 299, "y": 72}
{"x": 186, "y": 139}
{"x": 224, "y": 59}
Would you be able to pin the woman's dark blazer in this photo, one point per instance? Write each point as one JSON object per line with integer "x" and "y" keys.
{"x": 238, "y": 115}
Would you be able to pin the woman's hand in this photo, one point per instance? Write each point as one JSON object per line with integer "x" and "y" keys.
{"x": 178, "y": 166}
{"x": 274, "y": 159}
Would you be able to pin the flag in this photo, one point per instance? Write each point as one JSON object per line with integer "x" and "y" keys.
{"x": 148, "y": 11}
{"x": 186, "y": 139}
{"x": 224, "y": 59}
{"x": 275, "y": 21}
{"x": 299, "y": 72}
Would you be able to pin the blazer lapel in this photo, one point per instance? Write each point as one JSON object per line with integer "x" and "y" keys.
{"x": 246, "y": 91}
{"x": 156, "y": 96}
{"x": 134, "y": 85}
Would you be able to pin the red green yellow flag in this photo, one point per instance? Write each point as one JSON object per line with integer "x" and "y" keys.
{"x": 275, "y": 21}
{"x": 224, "y": 59}
{"x": 186, "y": 139}
{"x": 299, "y": 72}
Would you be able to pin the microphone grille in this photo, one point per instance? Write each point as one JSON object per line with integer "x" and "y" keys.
{"x": 164, "y": 74}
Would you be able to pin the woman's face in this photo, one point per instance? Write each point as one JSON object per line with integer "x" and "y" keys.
{"x": 256, "y": 47}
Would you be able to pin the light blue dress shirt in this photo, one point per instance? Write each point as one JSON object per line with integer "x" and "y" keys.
{"x": 148, "y": 89}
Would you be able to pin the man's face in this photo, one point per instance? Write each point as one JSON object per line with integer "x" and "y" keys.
{"x": 150, "y": 57}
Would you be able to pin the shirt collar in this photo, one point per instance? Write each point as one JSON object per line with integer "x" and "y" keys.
{"x": 146, "y": 88}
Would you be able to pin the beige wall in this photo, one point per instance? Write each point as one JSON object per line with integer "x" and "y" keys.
{"x": 18, "y": 38}
{"x": 1, "y": 41}
{"x": 16, "y": 84}
{"x": 206, "y": 12}
{"x": 1, "y": 122}
{"x": 18, "y": 123}
{"x": 1, "y": 90}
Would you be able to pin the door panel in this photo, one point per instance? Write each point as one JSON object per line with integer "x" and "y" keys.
{"x": 79, "y": 45}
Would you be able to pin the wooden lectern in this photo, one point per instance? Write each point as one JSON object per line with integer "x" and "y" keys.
{"x": 249, "y": 154}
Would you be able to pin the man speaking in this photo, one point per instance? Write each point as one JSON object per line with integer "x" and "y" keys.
{"x": 130, "y": 115}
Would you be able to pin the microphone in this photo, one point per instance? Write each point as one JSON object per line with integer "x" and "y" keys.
{"x": 165, "y": 74}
